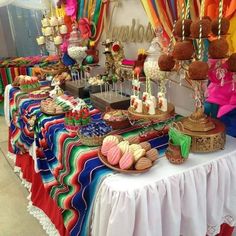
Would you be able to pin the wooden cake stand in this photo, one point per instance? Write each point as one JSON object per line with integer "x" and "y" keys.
{"x": 159, "y": 116}
{"x": 205, "y": 141}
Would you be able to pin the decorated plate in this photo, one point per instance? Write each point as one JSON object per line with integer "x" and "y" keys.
{"x": 103, "y": 159}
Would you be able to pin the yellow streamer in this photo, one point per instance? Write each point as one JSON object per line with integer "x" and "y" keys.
{"x": 149, "y": 14}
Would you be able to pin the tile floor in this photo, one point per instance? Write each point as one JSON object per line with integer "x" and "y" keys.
{"x": 14, "y": 218}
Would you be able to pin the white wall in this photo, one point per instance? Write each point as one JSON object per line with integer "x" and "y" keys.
{"x": 180, "y": 96}
{"x": 7, "y": 45}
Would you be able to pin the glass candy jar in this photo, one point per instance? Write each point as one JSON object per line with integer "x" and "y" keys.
{"x": 151, "y": 68}
{"x": 76, "y": 47}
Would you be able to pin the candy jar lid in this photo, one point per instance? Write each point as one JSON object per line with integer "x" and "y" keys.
{"x": 151, "y": 63}
{"x": 76, "y": 48}
{"x": 75, "y": 38}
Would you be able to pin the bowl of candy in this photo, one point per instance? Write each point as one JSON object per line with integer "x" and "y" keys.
{"x": 117, "y": 119}
{"x": 94, "y": 133}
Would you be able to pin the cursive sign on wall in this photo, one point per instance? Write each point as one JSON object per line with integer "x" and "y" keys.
{"x": 136, "y": 33}
{"x": 131, "y": 33}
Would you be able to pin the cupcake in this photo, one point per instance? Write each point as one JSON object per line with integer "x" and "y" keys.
{"x": 166, "y": 62}
{"x": 198, "y": 70}
{"x": 178, "y": 28}
{"x": 232, "y": 62}
{"x": 183, "y": 50}
{"x": 224, "y": 26}
{"x": 195, "y": 28}
{"x": 218, "y": 48}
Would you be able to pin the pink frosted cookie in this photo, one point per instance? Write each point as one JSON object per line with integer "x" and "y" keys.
{"x": 106, "y": 146}
{"x": 114, "y": 155}
{"x": 126, "y": 161}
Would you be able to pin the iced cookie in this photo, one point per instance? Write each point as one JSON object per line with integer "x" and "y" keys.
{"x": 106, "y": 146}
{"x": 133, "y": 140}
{"x": 146, "y": 146}
{"x": 114, "y": 155}
{"x": 126, "y": 161}
{"x": 134, "y": 147}
{"x": 111, "y": 138}
{"x": 138, "y": 154}
{"x": 124, "y": 146}
{"x": 143, "y": 163}
{"x": 152, "y": 154}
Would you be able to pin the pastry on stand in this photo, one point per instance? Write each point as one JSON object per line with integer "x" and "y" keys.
{"x": 145, "y": 105}
{"x": 207, "y": 134}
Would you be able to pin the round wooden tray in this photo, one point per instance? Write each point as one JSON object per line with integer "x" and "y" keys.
{"x": 51, "y": 114}
{"x": 160, "y": 115}
{"x": 103, "y": 159}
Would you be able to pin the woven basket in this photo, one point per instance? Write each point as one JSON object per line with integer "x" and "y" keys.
{"x": 173, "y": 154}
{"x": 116, "y": 124}
{"x": 91, "y": 141}
{"x": 72, "y": 129}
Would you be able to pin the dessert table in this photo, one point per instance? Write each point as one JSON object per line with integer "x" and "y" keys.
{"x": 70, "y": 188}
{"x": 12, "y": 67}
{"x": 190, "y": 199}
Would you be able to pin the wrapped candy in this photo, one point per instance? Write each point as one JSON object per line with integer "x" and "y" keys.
{"x": 151, "y": 109}
{"x": 132, "y": 100}
{"x": 138, "y": 105}
{"x": 162, "y": 102}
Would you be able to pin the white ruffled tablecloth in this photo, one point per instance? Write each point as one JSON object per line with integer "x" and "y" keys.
{"x": 192, "y": 199}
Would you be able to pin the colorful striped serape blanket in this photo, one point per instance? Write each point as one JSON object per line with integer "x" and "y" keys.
{"x": 71, "y": 172}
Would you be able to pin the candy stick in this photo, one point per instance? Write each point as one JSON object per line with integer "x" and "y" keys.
{"x": 110, "y": 92}
{"x": 101, "y": 88}
{"x": 171, "y": 39}
{"x": 182, "y": 12}
{"x": 220, "y": 18}
{"x": 187, "y": 10}
{"x": 200, "y": 31}
{"x": 116, "y": 89}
